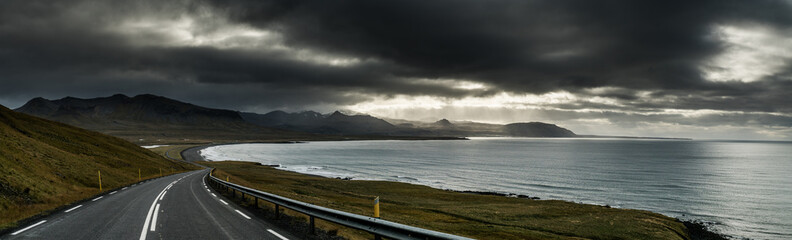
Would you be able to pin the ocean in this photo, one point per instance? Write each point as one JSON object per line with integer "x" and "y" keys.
{"x": 743, "y": 189}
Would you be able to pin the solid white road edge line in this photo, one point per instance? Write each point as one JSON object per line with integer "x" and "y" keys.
{"x": 71, "y": 209}
{"x": 154, "y": 218}
{"x": 240, "y": 213}
{"x": 29, "y": 227}
{"x": 277, "y": 235}
{"x": 143, "y": 232}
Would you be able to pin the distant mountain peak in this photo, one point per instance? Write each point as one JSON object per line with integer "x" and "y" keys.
{"x": 337, "y": 114}
{"x": 536, "y": 129}
{"x": 38, "y": 99}
{"x": 444, "y": 122}
{"x": 119, "y": 96}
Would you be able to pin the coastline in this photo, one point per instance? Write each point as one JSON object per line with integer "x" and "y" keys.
{"x": 695, "y": 228}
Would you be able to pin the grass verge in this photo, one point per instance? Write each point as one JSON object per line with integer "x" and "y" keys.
{"x": 45, "y": 165}
{"x": 471, "y": 215}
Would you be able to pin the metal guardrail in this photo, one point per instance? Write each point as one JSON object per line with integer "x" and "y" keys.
{"x": 378, "y": 227}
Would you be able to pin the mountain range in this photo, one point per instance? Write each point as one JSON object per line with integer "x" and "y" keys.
{"x": 146, "y": 117}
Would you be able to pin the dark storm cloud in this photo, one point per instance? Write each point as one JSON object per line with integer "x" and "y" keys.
{"x": 75, "y": 47}
{"x": 44, "y": 49}
{"x": 534, "y": 46}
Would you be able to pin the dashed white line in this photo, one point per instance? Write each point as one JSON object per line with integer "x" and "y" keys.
{"x": 240, "y": 213}
{"x": 114, "y": 192}
{"x": 29, "y": 227}
{"x": 143, "y": 231}
{"x": 277, "y": 235}
{"x": 154, "y": 218}
{"x": 213, "y": 195}
{"x": 223, "y": 202}
{"x": 94, "y": 200}
{"x": 72, "y": 209}
{"x": 124, "y": 188}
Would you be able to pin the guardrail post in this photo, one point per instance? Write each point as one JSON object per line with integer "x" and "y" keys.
{"x": 377, "y": 237}
{"x": 313, "y": 226}
{"x": 254, "y": 197}
{"x": 277, "y": 211}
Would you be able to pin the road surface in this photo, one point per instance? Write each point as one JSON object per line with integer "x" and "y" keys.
{"x": 179, "y": 206}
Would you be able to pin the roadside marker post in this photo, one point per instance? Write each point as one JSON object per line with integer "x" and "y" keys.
{"x": 376, "y": 207}
{"x": 160, "y": 172}
{"x": 138, "y": 174}
{"x": 100, "y": 180}
{"x": 376, "y": 215}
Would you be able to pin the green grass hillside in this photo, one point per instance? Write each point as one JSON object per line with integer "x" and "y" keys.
{"x": 472, "y": 215}
{"x": 45, "y": 164}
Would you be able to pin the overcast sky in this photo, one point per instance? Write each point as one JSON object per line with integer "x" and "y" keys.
{"x": 702, "y": 69}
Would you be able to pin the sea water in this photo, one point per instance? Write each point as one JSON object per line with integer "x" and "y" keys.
{"x": 743, "y": 188}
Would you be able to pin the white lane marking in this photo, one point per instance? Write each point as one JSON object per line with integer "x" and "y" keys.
{"x": 72, "y": 209}
{"x": 163, "y": 195}
{"x": 213, "y": 195}
{"x": 277, "y": 235}
{"x": 240, "y": 213}
{"x": 143, "y": 232}
{"x": 124, "y": 188}
{"x": 154, "y": 220}
{"x": 94, "y": 200}
{"x": 29, "y": 227}
{"x": 114, "y": 192}
{"x": 223, "y": 202}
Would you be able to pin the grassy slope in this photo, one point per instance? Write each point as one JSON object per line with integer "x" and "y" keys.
{"x": 45, "y": 164}
{"x": 477, "y": 216}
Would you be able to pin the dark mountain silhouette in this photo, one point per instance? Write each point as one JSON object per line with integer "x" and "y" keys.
{"x": 335, "y": 123}
{"x": 119, "y": 108}
{"x": 536, "y": 129}
{"x": 149, "y": 118}
{"x": 444, "y": 123}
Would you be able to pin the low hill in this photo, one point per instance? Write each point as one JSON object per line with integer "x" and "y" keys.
{"x": 46, "y": 164}
{"x": 335, "y": 123}
{"x": 536, "y": 129}
{"x": 150, "y": 119}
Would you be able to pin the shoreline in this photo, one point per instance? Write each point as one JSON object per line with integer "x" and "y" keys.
{"x": 698, "y": 229}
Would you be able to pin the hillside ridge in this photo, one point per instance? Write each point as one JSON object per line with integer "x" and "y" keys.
{"x": 46, "y": 164}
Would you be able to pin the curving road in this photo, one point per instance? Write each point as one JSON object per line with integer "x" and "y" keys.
{"x": 179, "y": 206}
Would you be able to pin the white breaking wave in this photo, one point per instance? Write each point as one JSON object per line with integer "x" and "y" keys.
{"x": 154, "y": 146}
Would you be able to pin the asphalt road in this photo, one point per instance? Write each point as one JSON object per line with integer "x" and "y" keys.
{"x": 179, "y": 206}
